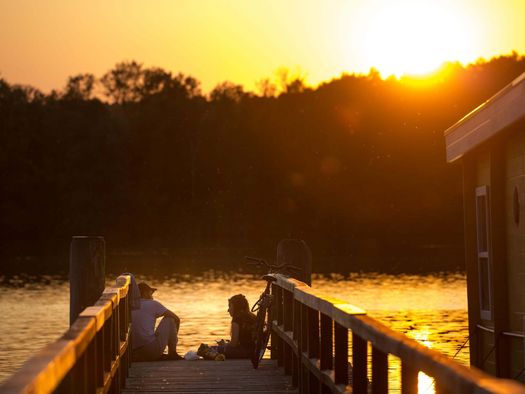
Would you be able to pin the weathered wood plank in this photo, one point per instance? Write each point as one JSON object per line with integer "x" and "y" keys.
{"x": 229, "y": 376}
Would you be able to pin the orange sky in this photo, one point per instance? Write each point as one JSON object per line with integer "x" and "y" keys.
{"x": 42, "y": 42}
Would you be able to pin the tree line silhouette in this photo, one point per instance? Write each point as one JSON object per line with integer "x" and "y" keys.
{"x": 355, "y": 166}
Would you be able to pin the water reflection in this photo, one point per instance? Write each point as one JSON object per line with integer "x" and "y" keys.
{"x": 34, "y": 312}
{"x": 425, "y": 384}
{"x": 428, "y": 308}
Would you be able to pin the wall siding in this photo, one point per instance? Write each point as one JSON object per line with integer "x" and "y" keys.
{"x": 515, "y": 177}
{"x": 482, "y": 170}
{"x": 487, "y": 353}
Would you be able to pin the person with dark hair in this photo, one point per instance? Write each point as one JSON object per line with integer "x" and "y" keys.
{"x": 242, "y": 327}
{"x": 148, "y": 344}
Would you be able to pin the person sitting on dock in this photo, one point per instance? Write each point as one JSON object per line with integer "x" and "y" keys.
{"x": 242, "y": 328}
{"x": 148, "y": 344}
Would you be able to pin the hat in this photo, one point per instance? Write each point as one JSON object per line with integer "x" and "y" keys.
{"x": 143, "y": 286}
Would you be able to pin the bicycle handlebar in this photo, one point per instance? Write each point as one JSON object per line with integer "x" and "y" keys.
{"x": 273, "y": 267}
{"x": 257, "y": 261}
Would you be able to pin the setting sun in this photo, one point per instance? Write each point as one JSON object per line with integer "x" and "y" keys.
{"x": 245, "y": 41}
{"x": 415, "y": 38}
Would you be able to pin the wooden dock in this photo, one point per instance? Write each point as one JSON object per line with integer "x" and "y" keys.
{"x": 230, "y": 376}
{"x": 314, "y": 337}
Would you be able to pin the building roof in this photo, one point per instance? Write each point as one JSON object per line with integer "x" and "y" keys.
{"x": 494, "y": 115}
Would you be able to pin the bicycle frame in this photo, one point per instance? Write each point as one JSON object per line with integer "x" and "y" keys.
{"x": 263, "y": 307}
{"x": 262, "y": 326}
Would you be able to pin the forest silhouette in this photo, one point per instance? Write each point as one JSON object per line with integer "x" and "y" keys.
{"x": 176, "y": 180}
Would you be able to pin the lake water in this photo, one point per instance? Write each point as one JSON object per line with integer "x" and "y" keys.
{"x": 431, "y": 309}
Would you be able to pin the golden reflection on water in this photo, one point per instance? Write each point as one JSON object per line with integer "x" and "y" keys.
{"x": 425, "y": 384}
{"x": 422, "y": 337}
{"x": 428, "y": 308}
{"x": 33, "y": 313}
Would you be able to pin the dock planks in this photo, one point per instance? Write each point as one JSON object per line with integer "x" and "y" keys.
{"x": 230, "y": 376}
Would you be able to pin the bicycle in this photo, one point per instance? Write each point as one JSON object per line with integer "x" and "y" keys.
{"x": 263, "y": 306}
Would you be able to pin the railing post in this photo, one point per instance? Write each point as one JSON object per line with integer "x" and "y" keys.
{"x": 124, "y": 327}
{"x": 68, "y": 384}
{"x": 341, "y": 354}
{"x": 359, "y": 365}
{"x": 280, "y": 317}
{"x": 91, "y": 365}
{"x": 313, "y": 333}
{"x": 327, "y": 361}
{"x": 106, "y": 347}
{"x": 408, "y": 379}
{"x": 100, "y": 357}
{"x": 274, "y": 339}
{"x": 288, "y": 326}
{"x": 303, "y": 341}
{"x": 86, "y": 273}
{"x": 288, "y": 310}
{"x": 325, "y": 389}
{"x": 440, "y": 389}
{"x": 111, "y": 330}
{"x": 296, "y": 375}
{"x": 81, "y": 382}
{"x": 116, "y": 330}
{"x": 313, "y": 346}
{"x": 379, "y": 371}
{"x": 116, "y": 341}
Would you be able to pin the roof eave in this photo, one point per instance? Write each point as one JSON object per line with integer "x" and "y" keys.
{"x": 503, "y": 109}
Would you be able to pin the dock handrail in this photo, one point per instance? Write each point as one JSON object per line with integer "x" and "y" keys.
{"x": 92, "y": 356}
{"x": 310, "y": 333}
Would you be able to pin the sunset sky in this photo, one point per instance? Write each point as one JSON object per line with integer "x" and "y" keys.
{"x": 43, "y": 42}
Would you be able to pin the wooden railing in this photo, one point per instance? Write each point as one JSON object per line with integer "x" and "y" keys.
{"x": 93, "y": 356}
{"x": 310, "y": 338}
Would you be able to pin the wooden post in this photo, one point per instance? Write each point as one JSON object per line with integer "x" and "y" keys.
{"x": 313, "y": 333}
{"x": 86, "y": 273}
{"x": 359, "y": 367}
{"x": 341, "y": 354}
{"x": 296, "y": 252}
{"x": 99, "y": 366}
{"x": 297, "y": 338}
{"x": 409, "y": 379}
{"x": 273, "y": 317}
{"x": 287, "y": 310}
{"x": 314, "y": 385}
{"x": 106, "y": 348}
{"x": 288, "y": 326}
{"x": 303, "y": 346}
{"x": 379, "y": 371}
{"x": 327, "y": 332}
{"x": 91, "y": 361}
{"x": 279, "y": 305}
{"x": 279, "y": 312}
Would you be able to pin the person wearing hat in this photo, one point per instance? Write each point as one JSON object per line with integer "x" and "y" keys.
{"x": 147, "y": 343}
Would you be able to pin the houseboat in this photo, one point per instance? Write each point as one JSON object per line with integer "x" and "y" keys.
{"x": 490, "y": 143}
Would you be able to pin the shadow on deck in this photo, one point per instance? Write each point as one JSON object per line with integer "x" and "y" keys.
{"x": 228, "y": 376}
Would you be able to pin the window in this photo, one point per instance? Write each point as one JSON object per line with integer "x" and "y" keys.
{"x": 483, "y": 248}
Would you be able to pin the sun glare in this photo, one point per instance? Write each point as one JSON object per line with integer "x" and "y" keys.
{"x": 416, "y": 37}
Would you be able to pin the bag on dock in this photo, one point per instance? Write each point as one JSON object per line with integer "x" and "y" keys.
{"x": 191, "y": 355}
{"x": 210, "y": 353}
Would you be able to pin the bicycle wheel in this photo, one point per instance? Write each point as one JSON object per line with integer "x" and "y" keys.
{"x": 262, "y": 334}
